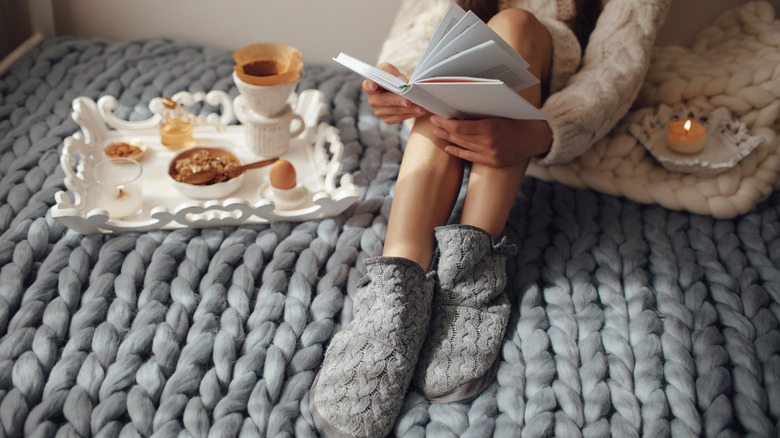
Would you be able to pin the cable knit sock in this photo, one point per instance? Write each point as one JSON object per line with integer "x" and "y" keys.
{"x": 369, "y": 364}
{"x": 469, "y": 316}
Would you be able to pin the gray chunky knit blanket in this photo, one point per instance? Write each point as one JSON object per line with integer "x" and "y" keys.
{"x": 628, "y": 319}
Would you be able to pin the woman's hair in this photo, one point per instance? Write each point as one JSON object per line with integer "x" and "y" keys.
{"x": 581, "y": 24}
{"x": 484, "y": 9}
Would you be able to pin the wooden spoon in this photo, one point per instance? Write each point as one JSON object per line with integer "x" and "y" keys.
{"x": 205, "y": 176}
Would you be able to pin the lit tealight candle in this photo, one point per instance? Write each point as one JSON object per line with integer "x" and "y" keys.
{"x": 686, "y": 137}
{"x": 119, "y": 187}
{"x": 123, "y": 200}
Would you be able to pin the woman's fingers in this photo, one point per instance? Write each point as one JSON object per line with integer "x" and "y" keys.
{"x": 494, "y": 142}
{"x": 466, "y": 154}
{"x": 387, "y": 104}
{"x": 390, "y": 107}
{"x": 466, "y": 134}
{"x": 390, "y": 68}
{"x": 371, "y": 87}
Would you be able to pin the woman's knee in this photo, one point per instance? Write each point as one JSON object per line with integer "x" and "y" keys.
{"x": 521, "y": 29}
{"x": 527, "y": 35}
{"x": 516, "y": 20}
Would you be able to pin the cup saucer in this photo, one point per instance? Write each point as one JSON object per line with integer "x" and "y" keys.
{"x": 245, "y": 114}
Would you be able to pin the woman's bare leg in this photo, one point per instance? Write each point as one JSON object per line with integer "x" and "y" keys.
{"x": 428, "y": 184}
{"x": 429, "y": 179}
{"x": 491, "y": 191}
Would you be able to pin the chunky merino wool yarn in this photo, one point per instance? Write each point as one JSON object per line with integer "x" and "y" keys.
{"x": 627, "y": 318}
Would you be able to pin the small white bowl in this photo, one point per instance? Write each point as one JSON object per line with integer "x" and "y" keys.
{"x": 210, "y": 191}
{"x": 115, "y": 149}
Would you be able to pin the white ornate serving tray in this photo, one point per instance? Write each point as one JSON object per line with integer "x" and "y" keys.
{"x": 316, "y": 155}
{"x": 728, "y": 141}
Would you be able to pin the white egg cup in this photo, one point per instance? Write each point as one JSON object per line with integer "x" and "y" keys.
{"x": 285, "y": 199}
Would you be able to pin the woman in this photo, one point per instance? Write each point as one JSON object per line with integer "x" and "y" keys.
{"x": 441, "y": 322}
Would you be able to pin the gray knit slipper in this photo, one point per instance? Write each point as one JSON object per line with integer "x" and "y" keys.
{"x": 469, "y": 316}
{"x": 368, "y": 365}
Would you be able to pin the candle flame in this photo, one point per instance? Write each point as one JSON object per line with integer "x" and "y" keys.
{"x": 687, "y": 125}
{"x": 120, "y": 191}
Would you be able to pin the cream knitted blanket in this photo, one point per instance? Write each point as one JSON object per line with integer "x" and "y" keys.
{"x": 734, "y": 63}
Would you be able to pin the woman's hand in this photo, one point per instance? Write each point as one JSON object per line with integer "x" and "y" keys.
{"x": 493, "y": 142}
{"x": 390, "y": 107}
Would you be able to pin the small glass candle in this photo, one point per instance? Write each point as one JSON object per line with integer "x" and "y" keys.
{"x": 686, "y": 137}
{"x": 118, "y": 182}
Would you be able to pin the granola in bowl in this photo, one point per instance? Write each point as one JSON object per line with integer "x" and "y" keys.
{"x": 197, "y": 159}
{"x": 203, "y": 159}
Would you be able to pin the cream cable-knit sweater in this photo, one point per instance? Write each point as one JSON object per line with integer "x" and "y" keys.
{"x": 588, "y": 95}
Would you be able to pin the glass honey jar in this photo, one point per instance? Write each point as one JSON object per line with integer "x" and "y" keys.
{"x": 176, "y": 127}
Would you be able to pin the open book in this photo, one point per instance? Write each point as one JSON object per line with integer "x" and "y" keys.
{"x": 467, "y": 71}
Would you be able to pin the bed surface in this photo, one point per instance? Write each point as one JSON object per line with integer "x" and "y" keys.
{"x": 628, "y": 319}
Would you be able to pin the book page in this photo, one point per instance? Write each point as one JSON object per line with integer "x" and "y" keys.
{"x": 486, "y": 60}
{"x": 477, "y": 34}
{"x": 456, "y": 80}
{"x": 484, "y": 99}
{"x": 484, "y": 33}
{"x": 434, "y": 53}
{"x": 376, "y": 74}
{"x": 419, "y": 96}
{"x": 451, "y": 18}
{"x": 397, "y": 86}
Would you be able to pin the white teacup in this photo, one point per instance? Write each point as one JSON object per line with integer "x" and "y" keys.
{"x": 268, "y": 136}
{"x": 265, "y": 100}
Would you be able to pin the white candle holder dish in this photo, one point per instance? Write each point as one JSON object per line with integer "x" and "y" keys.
{"x": 728, "y": 141}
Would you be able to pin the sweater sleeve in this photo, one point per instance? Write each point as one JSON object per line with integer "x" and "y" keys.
{"x": 613, "y": 68}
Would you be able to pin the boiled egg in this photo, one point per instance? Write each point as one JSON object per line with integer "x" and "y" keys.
{"x": 282, "y": 175}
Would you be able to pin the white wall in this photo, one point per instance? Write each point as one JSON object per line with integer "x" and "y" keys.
{"x": 320, "y": 29}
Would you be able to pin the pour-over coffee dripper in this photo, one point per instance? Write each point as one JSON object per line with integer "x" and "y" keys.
{"x": 266, "y": 75}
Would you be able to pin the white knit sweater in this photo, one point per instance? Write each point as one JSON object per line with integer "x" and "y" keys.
{"x": 588, "y": 95}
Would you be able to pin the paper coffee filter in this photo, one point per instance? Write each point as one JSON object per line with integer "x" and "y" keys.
{"x": 267, "y": 64}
